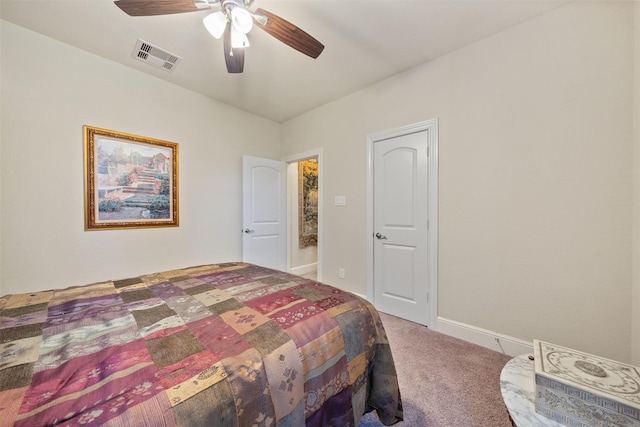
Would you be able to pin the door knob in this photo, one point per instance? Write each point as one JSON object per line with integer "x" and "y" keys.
{"x": 248, "y": 230}
{"x": 381, "y": 236}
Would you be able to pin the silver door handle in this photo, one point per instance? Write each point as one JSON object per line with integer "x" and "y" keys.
{"x": 381, "y": 236}
{"x": 248, "y": 230}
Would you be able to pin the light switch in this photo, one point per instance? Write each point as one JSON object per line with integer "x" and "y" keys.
{"x": 340, "y": 201}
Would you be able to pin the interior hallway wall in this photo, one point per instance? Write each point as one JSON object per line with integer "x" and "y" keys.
{"x": 535, "y": 197}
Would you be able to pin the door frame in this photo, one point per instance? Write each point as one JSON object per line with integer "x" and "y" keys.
{"x": 431, "y": 127}
{"x": 293, "y": 159}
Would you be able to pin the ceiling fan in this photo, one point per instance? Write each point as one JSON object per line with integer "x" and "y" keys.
{"x": 233, "y": 21}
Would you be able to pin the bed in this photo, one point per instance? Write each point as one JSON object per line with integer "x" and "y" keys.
{"x": 230, "y": 344}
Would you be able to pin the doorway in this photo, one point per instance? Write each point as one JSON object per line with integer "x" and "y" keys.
{"x": 402, "y": 211}
{"x": 304, "y": 248}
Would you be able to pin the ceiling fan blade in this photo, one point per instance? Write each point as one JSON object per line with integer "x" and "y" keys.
{"x": 157, "y": 7}
{"x": 289, "y": 34}
{"x": 233, "y": 57}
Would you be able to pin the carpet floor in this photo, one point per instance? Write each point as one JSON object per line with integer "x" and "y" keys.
{"x": 444, "y": 381}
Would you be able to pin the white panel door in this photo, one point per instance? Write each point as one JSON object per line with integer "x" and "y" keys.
{"x": 264, "y": 212}
{"x": 400, "y": 173}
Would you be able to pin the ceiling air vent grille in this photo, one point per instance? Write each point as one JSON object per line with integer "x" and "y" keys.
{"x": 154, "y": 56}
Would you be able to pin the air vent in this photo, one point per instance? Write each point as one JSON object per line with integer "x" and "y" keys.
{"x": 154, "y": 56}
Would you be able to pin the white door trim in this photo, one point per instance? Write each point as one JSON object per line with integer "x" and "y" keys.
{"x": 431, "y": 126}
{"x": 296, "y": 158}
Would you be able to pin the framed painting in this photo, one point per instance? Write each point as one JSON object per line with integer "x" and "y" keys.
{"x": 308, "y": 203}
{"x": 130, "y": 181}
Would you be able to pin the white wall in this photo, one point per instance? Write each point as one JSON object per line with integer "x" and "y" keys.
{"x": 535, "y": 194}
{"x": 636, "y": 193}
{"x": 49, "y": 90}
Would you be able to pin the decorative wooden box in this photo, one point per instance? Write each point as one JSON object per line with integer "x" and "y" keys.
{"x": 579, "y": 389}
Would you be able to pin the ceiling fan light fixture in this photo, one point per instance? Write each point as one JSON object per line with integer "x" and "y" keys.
{"x": 241, "y": 19}
{"x": 215, "y": 23}
{"x": 238, "y": 38}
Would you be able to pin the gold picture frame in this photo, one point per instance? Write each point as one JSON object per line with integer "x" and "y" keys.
{"x": 131, "y": 181}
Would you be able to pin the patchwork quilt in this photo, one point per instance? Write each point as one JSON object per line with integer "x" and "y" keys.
{"x": 220, "y": 345}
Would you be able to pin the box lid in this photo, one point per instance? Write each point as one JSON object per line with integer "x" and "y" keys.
{"x": 608, "y": 378}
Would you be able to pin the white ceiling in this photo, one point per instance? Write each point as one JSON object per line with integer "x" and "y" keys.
{"x": 365, "y": 42}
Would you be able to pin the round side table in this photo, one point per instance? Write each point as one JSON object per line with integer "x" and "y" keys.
{"x": 517, "y": 384}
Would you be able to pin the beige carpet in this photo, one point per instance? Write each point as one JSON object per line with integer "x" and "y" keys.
{"x": 444, "y": 381}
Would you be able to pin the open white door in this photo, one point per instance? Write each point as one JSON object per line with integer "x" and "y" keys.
{"x": 264, "y": 212}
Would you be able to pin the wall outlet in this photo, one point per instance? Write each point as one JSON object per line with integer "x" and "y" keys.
{"x": 341, "y": 273}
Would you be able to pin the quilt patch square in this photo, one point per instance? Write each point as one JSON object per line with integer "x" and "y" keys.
{"x": 25, "y": 300}
{"x": 166, "y": 290}
{"x": 22, "y": 316}
{"x": 357, "y": 367}
{"x": 305, "y": 332}
{"x": 198, "y": 411}
{"x": 21, "y": 332}
{"x": 302, "y": 310}
{"x": 212, "y": 296}
{"x": 194, "y": 290}
{"x": 188, "y": 282}
{"x": 273, "y": 302}
{"x": 81, "y": 293}
{"x": 122, "y": 410}
{"x": 149, "y": 316}
{"x": 244, "y": 319}
{"x": 137, "y": 295}
{"x": 353, "y": 339}
{"x": 19, "y": 351}
{"x": 284, "y": 370}
{"x": 223, "y": 279}
{"x": 17, "y": 376}
{"x": 197, "y": 382}
{"x": 229, "y": 305}
{"x": 273, "y": 280}
{"x": 267, "y": 338}
{"x": 317, "y": 352}
{"x": 310, "y": 293}
{"x": 11, "y": 399}
{"x": 175, "y": 375}
{"x": 327, "y": 381}
{"x": 249, "y": 383}
{"x": 337, "y": 411}
{"x": 21, "y": 311}
{"x": 188, "y": 308}
{"x": 127, "y": 282}
{"x": 70, "y": 341}
{"x": 171, "y": 349}
{"x": 218, "y": 337}
{"x": 152, "y": 279}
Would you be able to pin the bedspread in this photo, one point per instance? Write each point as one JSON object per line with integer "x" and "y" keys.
{"x": 229, "y": 344}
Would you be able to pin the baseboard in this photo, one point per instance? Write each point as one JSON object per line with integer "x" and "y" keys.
{"x": 304, "y": 269}
{"x": 483, "y": 337}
